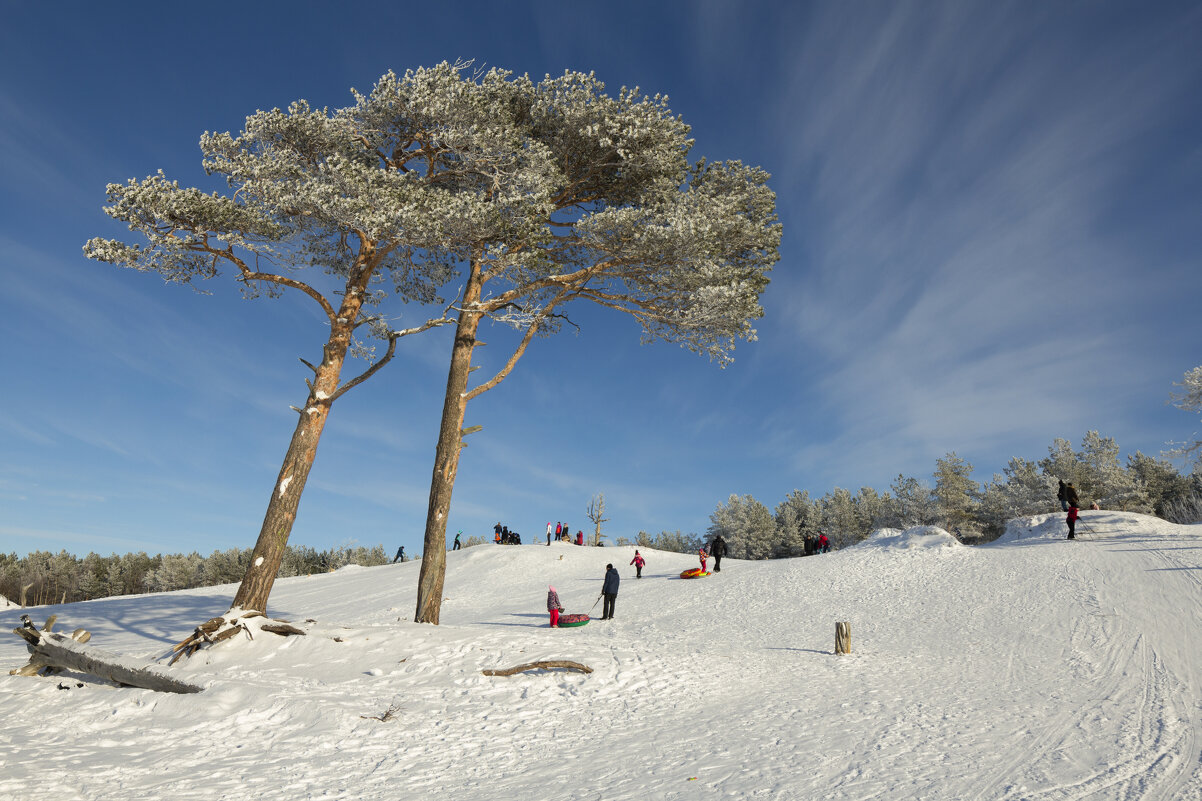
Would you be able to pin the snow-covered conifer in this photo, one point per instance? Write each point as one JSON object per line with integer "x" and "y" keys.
{"x": 747, "y": 526}
{"x": 957, "y": 497}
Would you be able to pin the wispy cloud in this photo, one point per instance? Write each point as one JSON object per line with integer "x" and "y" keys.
{"x": 954, "y": 170}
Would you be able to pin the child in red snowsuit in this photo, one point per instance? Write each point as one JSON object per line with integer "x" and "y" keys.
{"x": 1072, "y": 522}
{"x": 553, "y": 605}
{"x": 703, "y": 555}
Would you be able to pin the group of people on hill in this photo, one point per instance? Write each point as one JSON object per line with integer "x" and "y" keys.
{"x": 563, "y": 533}
{"x": 503, "y": 536}
{"x": 813, "y": 544}
{"x": 609, "y": 587}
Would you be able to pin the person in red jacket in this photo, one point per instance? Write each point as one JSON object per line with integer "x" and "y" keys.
{"x": 1072, "y": 522}
{"x": 824, "y": 545}
{"x": 638, "y": 561}
{"x": 580, "y": 538}
{"x": 703, "y": 556}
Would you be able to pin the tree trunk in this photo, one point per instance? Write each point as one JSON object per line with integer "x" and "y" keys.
{"x": 298, "y": 461}
{"x": 50, "y": 650}
{"x": 446, "y": 458}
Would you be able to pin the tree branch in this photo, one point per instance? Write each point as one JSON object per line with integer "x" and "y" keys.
{"x": 392, "y": 338}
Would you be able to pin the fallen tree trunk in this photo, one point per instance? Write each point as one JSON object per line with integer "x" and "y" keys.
{"x": 544, "y": 665}
{"x": 53, "y": 651}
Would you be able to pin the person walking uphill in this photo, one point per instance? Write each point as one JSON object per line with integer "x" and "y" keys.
{"x": 400, "y": 554}
{"x": 1074, "y": 509}
{"x": 553, "y": 605}
{"x": 1062, "y": 496}
{"x": 610, "y": 590}
{"x": 457, "y": 544}
{"x": 638, "y": 561}
{"x": 718, "y": 550}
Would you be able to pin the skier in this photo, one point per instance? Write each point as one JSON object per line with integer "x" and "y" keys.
{"x": 400, "y": 554}
{"x": 457, "y": 544}
{"x": 718, "y": 549}
{"x": 703, "y": 555}
{"x": 553, "y": 605}
{"x": 638, "y": 561}
{"x": 1072, "y": 522}
{"x": 610, "y": 590}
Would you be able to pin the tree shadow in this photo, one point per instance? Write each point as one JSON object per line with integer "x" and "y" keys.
{"x": 802, "y": 650}
{"x": 163, "y": 619}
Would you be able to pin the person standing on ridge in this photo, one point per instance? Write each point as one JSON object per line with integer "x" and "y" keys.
{"x": 457, "y": 544}
{"x": 548, "y": 532}
{"x": 553, "y": 605}
{"x": 558, "y": 531}
{"x": 718, "y": 549}
{"x": 610, "y": 590}
{"x": 400, "y": 554}
{"x": 638, "y": 561}
{"x": 580, "y": 538}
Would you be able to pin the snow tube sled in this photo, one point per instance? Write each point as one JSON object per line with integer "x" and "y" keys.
{"x": 694, "y": 573}
{"x": 566, "y": 621}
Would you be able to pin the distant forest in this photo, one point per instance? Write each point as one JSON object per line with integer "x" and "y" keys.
{"x": 972, "y": 511}
{"x": 47, "y": 578}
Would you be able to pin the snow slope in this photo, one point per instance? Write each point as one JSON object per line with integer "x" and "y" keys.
{"x": 1033, "y": 668}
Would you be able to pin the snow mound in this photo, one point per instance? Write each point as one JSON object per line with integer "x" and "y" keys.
{"x": 910, "y": 538}
{"x": 1092, "y": 524}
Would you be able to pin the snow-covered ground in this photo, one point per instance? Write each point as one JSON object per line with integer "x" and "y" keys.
{"x": 1033, "y": 668}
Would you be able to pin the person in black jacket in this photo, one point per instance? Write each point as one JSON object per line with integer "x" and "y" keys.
{"x": 718, "y": 550}
{"x": 610, "y": 590}
{"x": 1062, "y": 496}
{"x": 1071, "y": 496}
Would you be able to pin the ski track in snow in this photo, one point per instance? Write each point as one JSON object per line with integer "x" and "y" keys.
{"x": 1028, "y": 669}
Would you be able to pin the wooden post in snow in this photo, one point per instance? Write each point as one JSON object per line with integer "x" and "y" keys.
{"x": 843, "y": 638}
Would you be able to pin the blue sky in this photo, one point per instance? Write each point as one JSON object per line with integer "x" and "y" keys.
{"x": 992, "y": 225}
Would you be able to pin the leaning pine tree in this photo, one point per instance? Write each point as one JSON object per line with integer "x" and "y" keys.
{"x": 311, "y": 191}
{"x": 557, "y": 192}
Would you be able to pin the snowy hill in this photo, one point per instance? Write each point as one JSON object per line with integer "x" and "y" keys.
{"x": 1032, "y": 668}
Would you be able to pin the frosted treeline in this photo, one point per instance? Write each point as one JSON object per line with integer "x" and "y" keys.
{"x": 56, "y": 578}
{"x": 953, "y": 500}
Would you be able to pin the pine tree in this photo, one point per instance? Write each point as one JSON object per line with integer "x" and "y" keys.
{"x": 839, "y": 521}
{"x": 1190, "y": 400}
{"x": 747, "y": 526}
{"x": 1106, "y": 482}
{"x": 957, "y": 497}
